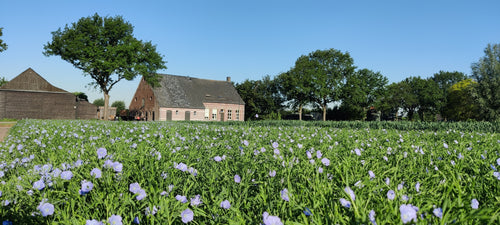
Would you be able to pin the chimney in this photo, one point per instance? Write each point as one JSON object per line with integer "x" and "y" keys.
{"x": 228, "y": 79}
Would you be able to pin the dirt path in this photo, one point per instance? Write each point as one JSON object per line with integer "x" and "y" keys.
{"x": 4, "y": 129}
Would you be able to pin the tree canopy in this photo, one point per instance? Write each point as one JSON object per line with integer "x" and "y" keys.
{"x": 296, "y": 87}
{"x": 444, "y": 81}
{"x": 105, "y": 49}
{"x": 486, "y": 72}
{"x": 98, "y": 102}
{"x": 120, "y": 105}
{"x": 3, "y": 45}
{"x": 460, "y": 105}
{"x": 261, "y": 98}
{"x": 329, "y": 70}
{"x": 363, "y": 89}
{"x": 82, "y": 96}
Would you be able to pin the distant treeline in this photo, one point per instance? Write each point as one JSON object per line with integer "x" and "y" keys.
{"x": 326, "y": 85}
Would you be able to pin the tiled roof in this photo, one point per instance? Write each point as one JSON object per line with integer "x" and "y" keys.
{"x": 29, "y": 80}
{"x": 187, "y": 92}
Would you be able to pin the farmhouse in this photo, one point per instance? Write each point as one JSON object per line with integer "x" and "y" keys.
{"x": 187, "y": 98}
{"x": 29, "y": 95}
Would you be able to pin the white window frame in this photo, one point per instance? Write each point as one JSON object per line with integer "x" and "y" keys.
{"x": 214, "y": 114}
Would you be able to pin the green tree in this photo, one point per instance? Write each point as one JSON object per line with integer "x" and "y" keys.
{"x": 106, "y": 50}
{"x": 261, "y": 98}
{"x": 120, "y": 105}
{"x": 445, "y": 80}
{"x": 419, "y": 96}
{"x": 391, "y": 100}
{"x": 413, "y": 95}
{"x": 296, "y": 87}
{"x": 329, "y": 70}
{"x": 3, "y": 81}
{"x": 3, "y": 46}
{"x": 81, "y": 96}
{"x": 460, "y": 105}
{"x": 486, "y": 72}
{"x": 98, "y": 102}
{"x": 362, "y": 90}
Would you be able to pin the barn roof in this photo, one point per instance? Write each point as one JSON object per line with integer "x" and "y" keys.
{"x": 187, "y": 92}
{"x": 29, "y": 80}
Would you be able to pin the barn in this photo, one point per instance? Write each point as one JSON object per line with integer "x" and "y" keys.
{"x": 29, "y": 95}
{"x": 187, "y": 98}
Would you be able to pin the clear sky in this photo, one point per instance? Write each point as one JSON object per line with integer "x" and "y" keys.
{"x": 213, "y": 39}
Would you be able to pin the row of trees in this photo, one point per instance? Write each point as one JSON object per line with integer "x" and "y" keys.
{"x": 327, "y": 81}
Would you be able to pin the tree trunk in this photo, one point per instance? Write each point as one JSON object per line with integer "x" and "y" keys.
{"x": 324, "y": 112}
{"x": 300, "y": 112}
{"x": 106, "y": 104}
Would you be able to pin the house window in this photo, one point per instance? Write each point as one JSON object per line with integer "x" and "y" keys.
{"x": 229, "y": 114}
{"x": 214, "y": 114}
{"x": 237, "y": 114}
{"x": 135, "y": 99}
{"x": 194, "y": 113}
{"x": 143, "y": 102}
{"x": 176, "y": 112}
{"x": 150, "y": 98}
{"x": 207, "y": 113}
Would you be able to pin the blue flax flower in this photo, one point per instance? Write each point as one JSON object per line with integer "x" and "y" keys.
{"x": 141, "y": 194}
{"x": 39, "y": 185}
{"x": 196, "y": 200}
{"x": 284, "y": 195}
{"x": 101, "y": 153}
{"x": 474, "y": 204}
{"x": 66, "y": 175}
{"x": 136, "y": 220}
{"x": 438, "y": 212}
{"x": 93, "y": 222}
{"x": 371, "y": 174}
{"x": 271, "y": 220}
{"x": 408, "y": 213}
{"x": 86, "y": 187}
{"x": 115, "y": 220}
{"x": 391, "y": 194}
{"x": 96, "y": 172}
{"x": 307, "y": 212}
{"x": 349, "y": 191}
{"x": 371, "y": 216}
{"x": 345, "y": 203}
{"x": 134, "y": 188}
{"x": 325, "y": 161}
{"x": 46, "y": 209}
{"x": 187, "y": 216}
{"x": 237, "y": 178}
{"x": 181, "y": 198}
{"x": 225, "y": 204}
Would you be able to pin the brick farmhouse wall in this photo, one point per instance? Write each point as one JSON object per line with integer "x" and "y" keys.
{"x": 143, "y": 103}
{"x": 199, "y": 114}
{"x": 17, "y": 104}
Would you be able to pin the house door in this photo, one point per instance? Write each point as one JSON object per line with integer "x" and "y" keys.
{"x": 188, "y": 116}
{"x": 221, "y": 116}
{"x": 169, "y": 115}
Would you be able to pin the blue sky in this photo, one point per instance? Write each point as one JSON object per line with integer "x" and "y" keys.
{"x": 250, "y": 39}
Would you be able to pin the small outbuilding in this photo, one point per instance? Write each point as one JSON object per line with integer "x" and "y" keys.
{"x": 29, "y": 95}
{"x": 187, "y": 98}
